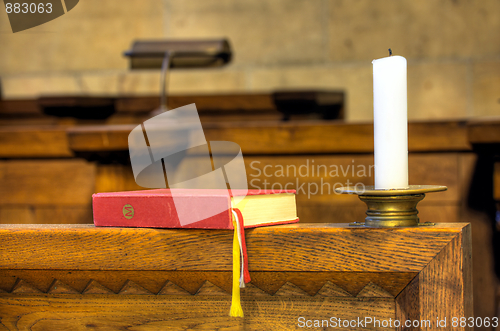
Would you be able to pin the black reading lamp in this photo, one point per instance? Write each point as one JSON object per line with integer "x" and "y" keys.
{"x": 165, "y": 54}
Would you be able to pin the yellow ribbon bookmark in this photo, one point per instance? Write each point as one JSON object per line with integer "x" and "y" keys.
{"x": 236, "y": 310}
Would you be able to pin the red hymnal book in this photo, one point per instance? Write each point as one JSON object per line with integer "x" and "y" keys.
{"x": 157, "y": 209}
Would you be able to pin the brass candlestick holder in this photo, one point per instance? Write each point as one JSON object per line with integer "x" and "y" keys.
{"x": 393, "y": 207}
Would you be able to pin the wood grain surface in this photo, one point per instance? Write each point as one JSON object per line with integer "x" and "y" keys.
{"x": 22, "y": 142}
{"x": 26, "y": 198}
{"x": 72, "y": 182}
{"x": 46, "y": 182}
{"x": 64, "y": 284}
{"x": 142, "y": 104}
{"x": 290, "y": 138}
{"x": 443, "y": 289}
{"x": 438, "y": 136}
{"x": 52, "y": 214}
{"x": 253, "y": 137}
{"x": 222, "y": 103}
{"x": 20, "y": 107}
{"x": 137, "y": 312}
{"x": 484, "y": 131}
{"x": 446, "y": 283}
{"x": 408, "y": 305}
{"x": 319, "y": 247}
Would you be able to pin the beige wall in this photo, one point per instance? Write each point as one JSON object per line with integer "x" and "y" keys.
{"x": 452, "y": 47}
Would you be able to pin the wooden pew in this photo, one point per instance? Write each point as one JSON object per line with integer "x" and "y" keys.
{"x": 95, "y": 157}
{"x": 128, "y": 109}
{"x": 77, "y": 276}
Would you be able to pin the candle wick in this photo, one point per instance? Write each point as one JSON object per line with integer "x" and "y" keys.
{"x": 390, "y": 52}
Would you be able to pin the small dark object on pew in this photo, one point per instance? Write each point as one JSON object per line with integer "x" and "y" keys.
{"x": 88, "y": 108}
{"x": 329, "y": 104}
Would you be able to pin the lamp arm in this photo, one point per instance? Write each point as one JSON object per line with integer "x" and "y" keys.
{"x": 164, "y": 80}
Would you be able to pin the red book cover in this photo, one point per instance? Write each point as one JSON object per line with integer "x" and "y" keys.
{"x": 156, "y": 208}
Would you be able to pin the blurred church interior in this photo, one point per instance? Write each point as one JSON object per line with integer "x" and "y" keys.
{"x": 296, "y": 89}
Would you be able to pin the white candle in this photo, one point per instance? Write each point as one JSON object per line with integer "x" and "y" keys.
{"x": 390, "y": 123}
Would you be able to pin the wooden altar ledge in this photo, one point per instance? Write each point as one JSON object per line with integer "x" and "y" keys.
{"x": 61, "y": 277}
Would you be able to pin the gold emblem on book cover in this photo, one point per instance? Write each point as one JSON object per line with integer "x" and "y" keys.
{"x": 128, "y": 211}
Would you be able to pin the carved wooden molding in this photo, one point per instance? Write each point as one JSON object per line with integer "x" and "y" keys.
{"x": 210, "y": 283}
